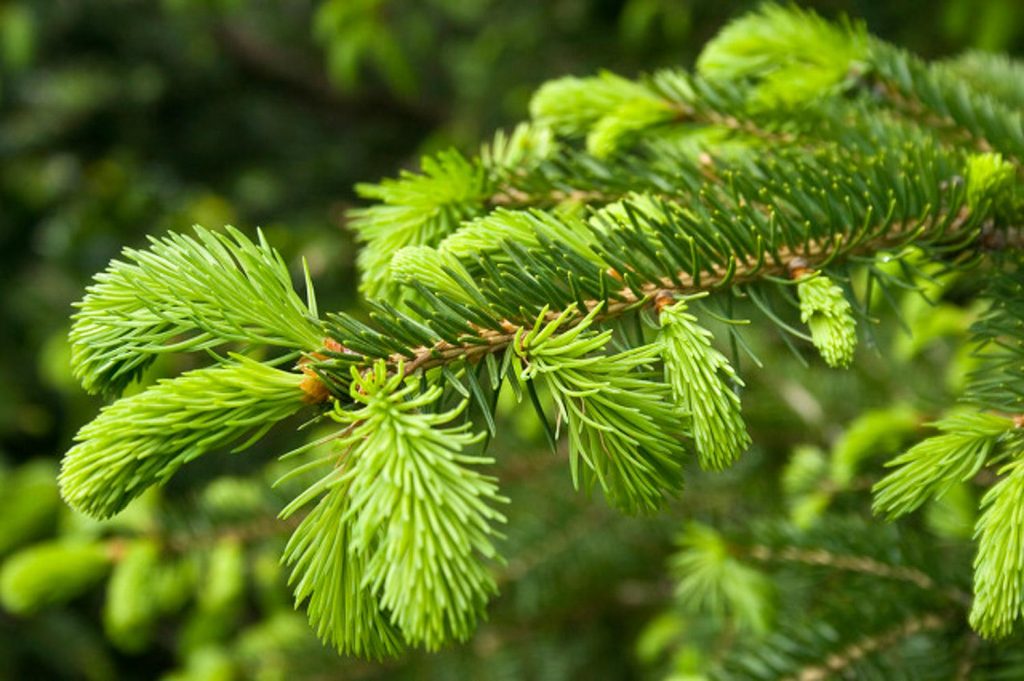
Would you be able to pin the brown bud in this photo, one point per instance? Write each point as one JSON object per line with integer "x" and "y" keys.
{"x": 662, "y": 300}
{"x": 313, "y": 387}
{"x": 798, "y": 267}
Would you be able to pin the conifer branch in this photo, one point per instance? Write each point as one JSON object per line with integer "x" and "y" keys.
{"x": 412, "y": 520}
{"x": 928, "y": 92}
{"x": 775, "y": 264}
{"x": 187, "y": 294}
{"x": 803, "y": 155}
{"x": 142, "y": 440}
{"x": 862, "y": 564}
{"x": 847, "y": 657}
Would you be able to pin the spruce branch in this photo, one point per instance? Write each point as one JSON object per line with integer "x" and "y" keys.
{"x": 417, "y": 520}
{"x": 774, "y": 48}
{"x": 801, "y": 153}
{"x": 793, "y": 56}
{"x": 999, "y": 565}
{"x": 837, "y": 586}
{"x": 765, "y": 265}
{"x": 931, "y": 466}
{"x": 142, "y": 440}
{"x": 187, "y": 294}
{"x": 703, "y": 383}
{"x": 846, "y": 658}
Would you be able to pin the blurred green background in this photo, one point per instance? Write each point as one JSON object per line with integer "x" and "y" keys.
{"x": 122, "y": 118}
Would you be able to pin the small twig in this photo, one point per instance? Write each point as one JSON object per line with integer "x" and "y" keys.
{"x": 263, "y": 527}
{"x": 275, "y": 64}
{"x": 627, "y": 299}
{"x": 965, "y": 665}
{"x": 850, "y": 655}
{"x": 850, "y": 563}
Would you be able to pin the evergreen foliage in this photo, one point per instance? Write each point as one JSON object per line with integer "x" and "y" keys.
{"x": 826, "y": 312}
{"x": 142, "y": 440}
{"x": 703, "y": 382}
{"x": 49, "y": 573}
{"x": 409, "y": 520}
{"x": 621, "y": 424}
{"x": 578, "y": 262}
{"x": 182, "y": 295}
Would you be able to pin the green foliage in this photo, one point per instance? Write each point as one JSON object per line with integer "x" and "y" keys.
{"x": 51, "y": 573}
{"x": 607, "y": 105}
{"x": 996, "y": 382}
{"x": 31, "y": 498}
{"x": 989, "y": 177}
{"x": 995, "y": 74}
{"x": 609, "y": 111}
{"x": 186, "y": 294}
{"x": 791, "y": 55}
{"x": 932, "y": 466}
{"x": 803, "y": 153}
{"x": 999, "y": 565}
{"x": 437, "y": 269}
{"x": 128, "y": 616}
{"x": 815, "y": 482}
{"x": 526, "y": 147}
{"x": 875, "y": 433}
{"x": 415, "y": 518}
{"x": 989, "y": 122}
{"x": 142, "y": 440}
{"x": 19, "y": 34}
{"x": 223, "y": 587}
{"x": 414, "y": 210}
{"x": 621, "y": 424}
{"x": 850, "y": 600}
{"x": 354, "y": 33}
{"x": 120, "y": 119}
{"x": 826, "y": 311}
{"x": 710, "y": 580}
{"x": 488, "y": 234}
{"x": 343, "y": 612}
{"x": 700, "y": 377}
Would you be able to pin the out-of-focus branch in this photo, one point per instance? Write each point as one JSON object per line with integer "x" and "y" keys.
{"x": 276, "y": 65}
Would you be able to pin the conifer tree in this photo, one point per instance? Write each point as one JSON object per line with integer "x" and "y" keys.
{"x": 804, "y": 172}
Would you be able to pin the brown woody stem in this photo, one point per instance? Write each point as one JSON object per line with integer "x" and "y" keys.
{"x": 811, "y": 256}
